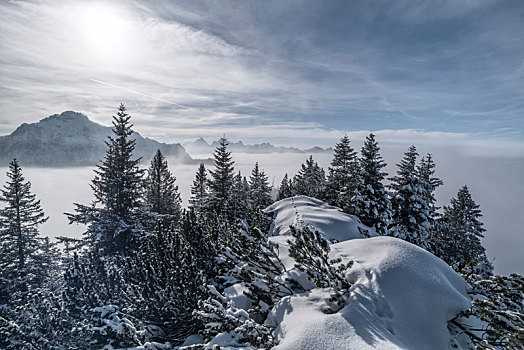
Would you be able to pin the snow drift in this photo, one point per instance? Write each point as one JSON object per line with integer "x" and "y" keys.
{"x": 301, "y": 211}
{"x": 402, "y": 297}
{"x": 330, "y": 221}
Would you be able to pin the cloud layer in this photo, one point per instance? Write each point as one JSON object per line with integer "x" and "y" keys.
{"x": 299, "y": 71}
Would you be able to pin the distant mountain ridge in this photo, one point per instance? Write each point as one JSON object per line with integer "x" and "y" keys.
{"x": 71, "y": 139}
{"x": 202, "y": 146}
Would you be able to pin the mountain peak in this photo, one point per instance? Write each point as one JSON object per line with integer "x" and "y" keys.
{"x": 71, "y": 139}
{"x": 201, "y": 140}
{"x": 66, "y": 116}
{"x": 202, "y": 146}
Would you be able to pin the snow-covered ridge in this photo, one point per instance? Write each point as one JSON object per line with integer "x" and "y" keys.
{"x": 300, "y": 211}
{"x": 402, "y": 296}
{"x": 71, "y": 139}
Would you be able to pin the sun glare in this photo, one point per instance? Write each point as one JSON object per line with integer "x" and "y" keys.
{"x": 104, "y": 31}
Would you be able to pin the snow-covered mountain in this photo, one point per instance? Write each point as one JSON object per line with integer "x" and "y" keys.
{"x": 71, "y": 139}
{"x": 202, "y": 146}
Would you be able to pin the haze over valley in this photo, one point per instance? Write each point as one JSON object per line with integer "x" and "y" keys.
{"x": 60, "y": 187}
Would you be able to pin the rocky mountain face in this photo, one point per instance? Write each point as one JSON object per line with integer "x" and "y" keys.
{"x": 71, "y": 139}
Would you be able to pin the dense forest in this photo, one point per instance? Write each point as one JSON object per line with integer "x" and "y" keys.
{"x": 148, "y": 273}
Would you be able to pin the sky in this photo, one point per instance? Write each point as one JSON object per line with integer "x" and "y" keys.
{"x": 295, "y": 72}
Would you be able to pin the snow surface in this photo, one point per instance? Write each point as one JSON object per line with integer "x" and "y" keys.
{"x": 402, "y": 298}
{"x": 301, "y": 211}
{"x": 402, "y": 295}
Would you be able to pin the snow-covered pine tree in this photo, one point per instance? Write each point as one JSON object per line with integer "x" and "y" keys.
{"x": 311, "y": 253}
{"x": 373, "y": 203}
{"x": 343, "y": 178}
{"x": 426, "y": 170}
{"x": 145, "y": 296}
{"x": 408, "y": 198}
{"x": 457, "y": 241}
{"x": 21, "y": 247}
{"x": 39, "y": 321}
{"x": 245, "y": 184}
{"x": 199, "y": 191}
{"x": 198, "y": 237}
{"x": 113, "y": 217}
{"x": 259, "y": 190}
{"x": 496, "y": 317}
{"x": 221, "y": 316}
{"x": 285, "y": 190}
{"x": 165, "y": 280}
{"x": 240, "y": 197}
{"x": 98, "y": 304}
{"x": 309, "y": 180}
{"x": 162, "y": 198}
{"x": 252, "y": 261}
{"x": 221, "y": 181}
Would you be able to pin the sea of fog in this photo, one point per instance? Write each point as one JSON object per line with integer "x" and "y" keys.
{"x": 495, "y": 183}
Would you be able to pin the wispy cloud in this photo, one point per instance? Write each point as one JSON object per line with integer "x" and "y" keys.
{"x": 136, "y": 92}
{"x": 298, "y": 70}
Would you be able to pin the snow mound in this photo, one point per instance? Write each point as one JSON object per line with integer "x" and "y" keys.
{"x": 402, "y": 298}
{"x": 301, "y": 211}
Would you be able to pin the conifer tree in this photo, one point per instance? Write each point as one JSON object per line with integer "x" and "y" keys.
{"x": 410, "y": 210}
{"x": 309, "y": 180}
{"x": 165, "y": 279}
{"x": 113, "y": 217}
{"x": 311, "y": 253}
{"x": 96, "y": 298}
{"x": 21, "y": 247}
{"x": 199, "y": 191}
{"x": 374, "y": 203}
{"x": 426, "y": 169}
{"x": 251, "y": 260}
{"x": 240, "y": 197}
{"x": 33, "y": 319}
{"x": 259, "y": 190}
{"x": 495, "y": 319}
{"x": 245, "y": 185}
{"x": 458, "y": 239}
{"x": 162, "y": 197}
{"x": 343, "y": 177}
{"x": 144, "y": 297}
{"x": 219, "y": 315}
{"x": 198, "y": 237}
{"x": 285, "y": 190}
{"x": 221, "y": 181}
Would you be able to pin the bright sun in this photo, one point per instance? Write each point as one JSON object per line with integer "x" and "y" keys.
{"x": 104, "y": 31}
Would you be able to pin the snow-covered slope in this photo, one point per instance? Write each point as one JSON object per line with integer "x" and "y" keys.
{"x": 301, "y": 211}
{"x": 71, "y": 139}
{"x": 402, "y": 298}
